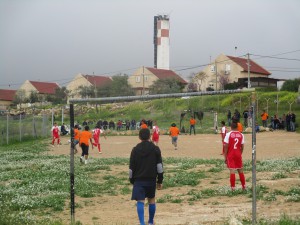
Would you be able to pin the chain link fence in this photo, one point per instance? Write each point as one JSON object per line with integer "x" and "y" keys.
{"x": 16, "y": 128}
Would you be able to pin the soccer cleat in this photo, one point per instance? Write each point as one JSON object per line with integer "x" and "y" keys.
{"x": 81, "y": 160}
{"x": 100, "y": 152}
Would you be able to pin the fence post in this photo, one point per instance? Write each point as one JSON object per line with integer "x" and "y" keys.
{"x": 20, "y": 127}
{"x": 72, "y": 188}
{"x": 7, "y": 118}
{"x": 253, "y": 160}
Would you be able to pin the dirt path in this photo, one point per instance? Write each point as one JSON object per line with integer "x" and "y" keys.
{"x": 119, "y": 210}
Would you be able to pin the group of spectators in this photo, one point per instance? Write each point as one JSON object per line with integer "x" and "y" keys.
{"x": 119, "y": 125}
{"x": 285, "y": 122}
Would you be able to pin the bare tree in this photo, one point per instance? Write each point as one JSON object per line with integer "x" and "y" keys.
{"x": 199, "y": 78}
{"x": 223, "y": 79}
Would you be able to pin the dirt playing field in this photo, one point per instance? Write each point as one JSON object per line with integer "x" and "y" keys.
{"x": 121, "y": 210}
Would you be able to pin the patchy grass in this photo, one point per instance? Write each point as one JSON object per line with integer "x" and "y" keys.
{"x": 35, "y": 186}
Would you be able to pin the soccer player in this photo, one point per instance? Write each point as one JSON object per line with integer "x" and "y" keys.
{"x": 233, "y": 149}
{"x": 223, "y": 133}
{"x": 96, "y": 137}
{"x": 84, "y": 139}
{"x": 146, "y": 174}
{"x": 55, "y": 134}
{"x": 143, "y": 124}
{"x": 174, "y": 132}
{"x": 155, "y": 134}
{"x": 192, "y": 125}
{"x": 76, "y": 137}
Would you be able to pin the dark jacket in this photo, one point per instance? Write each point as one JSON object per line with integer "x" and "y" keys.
{"x": 146, "y": 163}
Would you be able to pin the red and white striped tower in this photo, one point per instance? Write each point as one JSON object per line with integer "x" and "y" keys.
{"x": 161, "y": 42}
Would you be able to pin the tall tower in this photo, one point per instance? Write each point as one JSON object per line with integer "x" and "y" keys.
{"x": 161, "y": 42}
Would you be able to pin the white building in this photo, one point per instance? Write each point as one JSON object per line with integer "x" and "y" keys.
{"x": 161, "y": 42}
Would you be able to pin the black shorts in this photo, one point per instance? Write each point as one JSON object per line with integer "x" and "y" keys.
{"x": 143, "y": 189}
{"x": 85, "y": 149}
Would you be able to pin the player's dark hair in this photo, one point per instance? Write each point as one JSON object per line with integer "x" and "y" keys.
{"x": 144, "y": 134}
{"x": 233, "y": 125}
{"x": 76, "y": 126}
{"x": 86, "y": 128}
{"x": 222, "y": 122}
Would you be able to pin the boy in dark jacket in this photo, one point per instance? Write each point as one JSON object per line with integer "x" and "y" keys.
{"x": 146, "y": 174}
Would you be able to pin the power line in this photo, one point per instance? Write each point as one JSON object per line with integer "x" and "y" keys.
{"x": 272, "y": 57}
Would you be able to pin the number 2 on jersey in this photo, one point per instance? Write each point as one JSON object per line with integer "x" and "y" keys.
{"x": 236, "y": 141}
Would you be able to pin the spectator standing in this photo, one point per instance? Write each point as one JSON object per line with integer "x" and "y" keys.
{"x": 146, "y": 174}
{"x": 133, "y": 124}
{"x": 293, "y": 122}
{"x": 264, "y": 118}
{"x": 245, "y": 116}
{"x": 192, "y": 125}
{"x": 237, "y": 115}
{"x": 229, "y": 117}
{"x": 283, "y": 121}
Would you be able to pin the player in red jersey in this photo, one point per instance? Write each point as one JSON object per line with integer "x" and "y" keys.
{"x": 223, "y": 134}
{"x": 155, "y": 134}
{"x": 96, "y": 136}
{"x": 233, "y": 149}
{"x": 55, "y": 134}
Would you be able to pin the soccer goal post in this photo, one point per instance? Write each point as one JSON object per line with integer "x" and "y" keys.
{"x": 152, "y": 97}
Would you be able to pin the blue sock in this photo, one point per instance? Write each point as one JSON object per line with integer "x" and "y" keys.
{"x": 140, "y": 212}
{"x": 152, "y": 209}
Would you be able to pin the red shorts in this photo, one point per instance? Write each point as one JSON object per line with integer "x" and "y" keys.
{"x": 155, "y": 137}
{"x": 234, "y": 161}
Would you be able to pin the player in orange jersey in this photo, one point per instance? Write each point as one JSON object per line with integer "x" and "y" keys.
{"x": 174, "y": 132}
{"x": 192, "y": 125}
{"x": 84, "y": 139}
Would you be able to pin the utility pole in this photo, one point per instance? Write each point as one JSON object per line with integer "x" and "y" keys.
{"x": 216, "y": 75}
{"x": 248, "y": 63}
{"x": 143, "y": 75}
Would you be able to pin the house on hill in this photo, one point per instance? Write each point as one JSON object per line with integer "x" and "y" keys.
{"x": 6, "y": 98}
{"x": 41, "y": 88}
{"x": 144, "y": 77}
{"x": 82, "y": 80}
{"x": 228, "y": 69}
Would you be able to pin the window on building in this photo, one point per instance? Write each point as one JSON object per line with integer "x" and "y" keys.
{"x": 146, "y": 78}
{"x": 212, "y": 68}
{"x": 227, "y": 67}
{"x": 137, "y": 79}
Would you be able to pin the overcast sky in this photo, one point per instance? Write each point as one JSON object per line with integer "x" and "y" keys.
{"x": 53, "y": 40}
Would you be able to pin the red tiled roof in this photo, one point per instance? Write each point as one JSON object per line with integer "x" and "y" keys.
{"x": 7, "y": 95}
{"x": 98, "y": 81}
{"x": 254, "y": 67}
{"x": 165, "y": 74}
{"x": 44, "y": 87}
